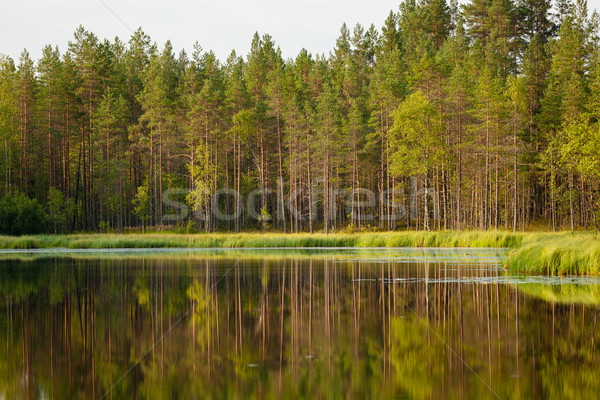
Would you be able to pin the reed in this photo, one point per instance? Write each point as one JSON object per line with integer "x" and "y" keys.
{"x": 261, "y": 240}
{"x": 556, "y": 254}
{"x": 531, "y": 253}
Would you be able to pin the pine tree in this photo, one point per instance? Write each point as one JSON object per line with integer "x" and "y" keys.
{"x": 417, "y": 146}
{"x": 505, "y": 95}
{"x": 26, "y": 87}
{"x": 156, "y": 123}
{"x": 9, "y": 129}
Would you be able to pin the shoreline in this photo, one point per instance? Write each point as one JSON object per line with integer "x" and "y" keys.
{"x": 538, "y": 253}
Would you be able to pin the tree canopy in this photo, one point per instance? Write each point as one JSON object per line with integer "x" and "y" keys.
{"x": 490, "y": 109}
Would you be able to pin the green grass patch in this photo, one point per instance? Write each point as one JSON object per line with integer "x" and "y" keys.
{"x": 556, "y": 254}
{"x": 531, "y": 253}
{"x": 261, "y": 240}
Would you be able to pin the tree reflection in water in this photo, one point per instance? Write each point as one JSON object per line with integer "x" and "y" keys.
{"x": 293, "y": 327}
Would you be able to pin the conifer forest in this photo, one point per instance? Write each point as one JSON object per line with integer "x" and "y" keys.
{"x": 482, "y": 115}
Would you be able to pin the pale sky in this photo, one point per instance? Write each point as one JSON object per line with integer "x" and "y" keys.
{"x": 217, "y": 26}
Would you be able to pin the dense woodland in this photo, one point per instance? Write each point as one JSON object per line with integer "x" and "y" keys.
{"x": 483, "y": 115}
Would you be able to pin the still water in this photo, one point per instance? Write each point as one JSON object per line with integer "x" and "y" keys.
{"x": 269, "y": 324}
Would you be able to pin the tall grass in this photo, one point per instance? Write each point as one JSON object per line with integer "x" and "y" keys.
{"x": 261, "y": 240}
{"x": 440, "y": 239}
{"x": 557, "y": 254}
{"x": 532, "y": 253}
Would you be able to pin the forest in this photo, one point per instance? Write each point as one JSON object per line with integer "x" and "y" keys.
{"x": 476, "y": 116}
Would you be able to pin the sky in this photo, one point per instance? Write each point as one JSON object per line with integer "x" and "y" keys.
{"x": 217, "y": 25}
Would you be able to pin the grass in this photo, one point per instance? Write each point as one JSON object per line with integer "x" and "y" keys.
{"x": 531, "y": 253}
{"x": 261, "y": 240}
{"x": 557, "y": 254}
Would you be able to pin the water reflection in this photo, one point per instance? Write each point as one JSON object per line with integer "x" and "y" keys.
{"x": 296, "y": 327}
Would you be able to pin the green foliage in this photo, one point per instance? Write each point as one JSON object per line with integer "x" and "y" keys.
{"x": 264, "y": 218}
{"x": 203, "y": 174}
{"x": 104, "y": 226}
{"x": 492, "y": 103}
{"x": 492, "y": 239}
{"x": 558, "y": 254}
{"x": 416, "y": 137}
{"x": 141, "y": 204}
{"x": 60, "y": 210}
{"x": 531, "y": 253}
{"x": 578, "y": 147}
{"x": 20, "y": 215}
{"x": 190, "y": 227}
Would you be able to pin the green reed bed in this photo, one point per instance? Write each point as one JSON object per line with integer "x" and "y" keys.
{"x": 531, "y": 253}
{"x": 557, "y": 254}
{"x": 231, "y": 240}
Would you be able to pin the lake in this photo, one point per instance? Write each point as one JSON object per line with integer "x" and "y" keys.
{"x": 290, "y": 323}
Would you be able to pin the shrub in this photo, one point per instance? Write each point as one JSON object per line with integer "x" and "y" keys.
{"x": 60, "y": 210}
{"x": 20, "y": 215}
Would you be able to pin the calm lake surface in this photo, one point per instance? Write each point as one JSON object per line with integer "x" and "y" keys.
{"x": 269, "y": 324}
